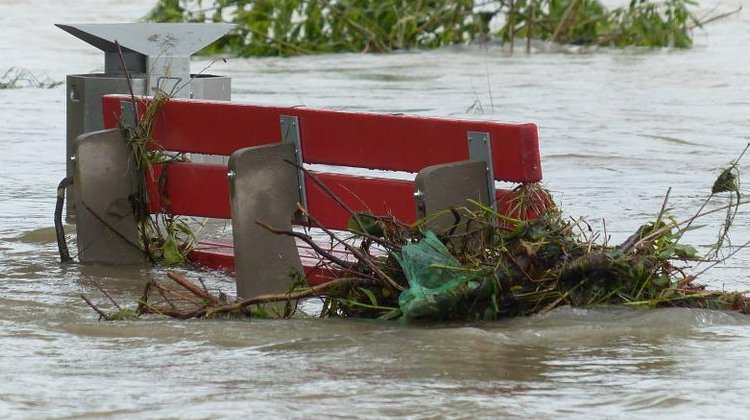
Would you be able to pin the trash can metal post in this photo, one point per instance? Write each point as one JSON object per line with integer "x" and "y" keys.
{"x": 155, "y": 55}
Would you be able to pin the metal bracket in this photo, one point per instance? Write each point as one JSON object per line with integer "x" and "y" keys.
{"x": 421, "y": 205}
{"x": 290, "y": 134}
{"x": 127, "y": 114}
{"x": 480, "y": 149}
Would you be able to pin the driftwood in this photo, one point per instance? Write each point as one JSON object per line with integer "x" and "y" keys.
{"x": 173, "y": 301}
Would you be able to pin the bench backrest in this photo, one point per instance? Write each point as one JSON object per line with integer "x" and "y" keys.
{"x": 364, "y": 140}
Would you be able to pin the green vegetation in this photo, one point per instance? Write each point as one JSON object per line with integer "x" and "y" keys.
{"x": 291, "y": 27}
{"x": 588, "y": 22}
{"x": 164, "y": 237}
{"x": 482, "y": 269}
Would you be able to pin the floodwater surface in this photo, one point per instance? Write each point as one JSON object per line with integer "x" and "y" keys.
{"x": 617, "y": 129}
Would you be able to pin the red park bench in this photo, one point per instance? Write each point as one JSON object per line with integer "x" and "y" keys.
{"x": 454, "y": 159}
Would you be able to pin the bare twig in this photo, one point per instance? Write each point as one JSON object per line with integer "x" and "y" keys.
{"x": 327, "y": 190}
{"x": 108, "y": 226}
{"x": 511, "y": 23}
{"x": 663, "y": 207}
{"x": 189, "y": 286}
{"x": 311, "y": 292}
{"x": 215, "y": 308}
{"x": 101, "y": 313}
{"x": 308, "y": 240}
{"x": 104, "y": 292}
{"x": 716, "y": 17}
{"x": 342, "y": 204}
{"x": 357, "y": 253}
{"x": 722, "y": 260}
{"x": 128, "y": 78}
{"x": 529, "y": 26}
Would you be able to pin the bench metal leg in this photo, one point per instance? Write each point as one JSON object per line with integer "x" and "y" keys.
{"x": 104, "y": 181}
{"x": 263, "y": 188}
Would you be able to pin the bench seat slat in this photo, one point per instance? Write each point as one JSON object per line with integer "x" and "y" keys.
{"x": 202, "y": 190}
{"x": 216, "y": 255}
{"x": 190, "y": 189}
{"x": 380, "y": 196}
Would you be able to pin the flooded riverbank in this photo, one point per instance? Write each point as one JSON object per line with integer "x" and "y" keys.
{"x": 617, "y": 128}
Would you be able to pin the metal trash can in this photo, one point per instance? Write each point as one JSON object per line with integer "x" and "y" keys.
{"x": 156, "y": 56}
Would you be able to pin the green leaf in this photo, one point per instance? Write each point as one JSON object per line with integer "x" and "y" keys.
{"x": 370, "y": 295}
{"x": 123, "y": 315}
{"x": 260, "y": 312}
{"x": 727, "y": 181}
{"x": 172, "y": 254}
{"x": 365, "y": 223}
{"x": 396, "y": 313}
{"x": 685, "y": 251}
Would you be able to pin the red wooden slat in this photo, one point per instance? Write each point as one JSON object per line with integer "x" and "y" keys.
{"x": 213, "y": 255}
{"x": 378, "y": 196}
{"x": 369, "y": 140}
{"x": 207, "y": 127}
{"x": 411, "y": 143}
{"x": 216, "y": 257}
{"x": 220, "y": 255}
{"x": 191, "y": 189}
{"x": 202, "y": 190}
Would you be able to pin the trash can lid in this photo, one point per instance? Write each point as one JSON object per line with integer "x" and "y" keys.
{"x": 150, "y": 39}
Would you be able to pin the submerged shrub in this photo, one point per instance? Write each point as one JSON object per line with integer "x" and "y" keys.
{"x": 287, "y": 27}
{"x": 291, "y": 27}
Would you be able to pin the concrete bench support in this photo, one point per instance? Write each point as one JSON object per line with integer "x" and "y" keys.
{"x": 263, "y": 188}
{"x": 449, "y": 185}
{"x": 104, "y": 181}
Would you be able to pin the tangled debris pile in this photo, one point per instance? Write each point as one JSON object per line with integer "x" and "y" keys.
{"x": 489, "y": 266}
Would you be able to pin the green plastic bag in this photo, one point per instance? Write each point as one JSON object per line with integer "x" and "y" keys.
{"x": 435, "y": 290}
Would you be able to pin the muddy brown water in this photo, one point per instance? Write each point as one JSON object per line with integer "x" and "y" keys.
{"x": 617, "y": 128}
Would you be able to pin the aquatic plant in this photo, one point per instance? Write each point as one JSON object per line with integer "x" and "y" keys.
{"x": 292, "y": 27}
